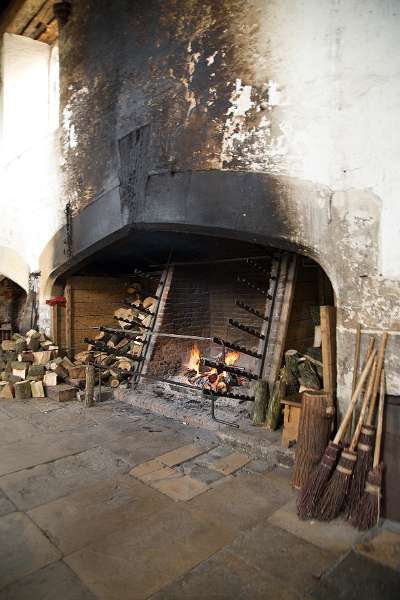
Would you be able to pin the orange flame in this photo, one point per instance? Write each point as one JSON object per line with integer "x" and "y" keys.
{"x": 194, "y": 359}
{"x": 231, "y": 358}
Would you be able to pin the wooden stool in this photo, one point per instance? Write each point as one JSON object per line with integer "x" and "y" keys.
{"x": 291, "y": 412}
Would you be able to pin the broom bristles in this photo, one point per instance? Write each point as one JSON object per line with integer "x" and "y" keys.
{"x": 361, "y": 468}
{"x": 332, "y": 500}
{"x": 313, "y": 489}
{"x": 368, "y": 512}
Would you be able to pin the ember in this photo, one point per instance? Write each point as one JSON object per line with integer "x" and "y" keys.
{"x": 212, "y": 378}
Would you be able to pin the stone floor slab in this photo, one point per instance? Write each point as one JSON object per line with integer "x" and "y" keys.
{"x": 15, "y": 429}
{"x": 383, "y": 547}
{"x": 95, "y": 511}
{"x": 44, "y": 483}
{"x": 180, "y": 455}
{"x": 37, "y": 450}
{"x": 226, "y": 577}
{"x": 54, "y": 582}
{"x": 282, "y": 555}
{"x": 337, "y": 536}
{"x": 23, "y": 548}
{"x": 6, "y": 506}
{"x": 162, "y": 474}
{"x": 230, "y": 464}
{"x": 182, "y": 489}
{"x": 241, "y": 501}
{"x": 145, "y": 468}
{"x": 357, "y": 578}
{"x": 139, "y": 561}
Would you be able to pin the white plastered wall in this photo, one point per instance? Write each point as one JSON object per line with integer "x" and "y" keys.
{"x": 29, "y": 173}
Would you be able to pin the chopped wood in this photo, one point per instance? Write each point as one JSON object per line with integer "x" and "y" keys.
{"x": 61, "y": 372}
{"x": 50, "y": 378}
{"x": 8, "y": 345}
{"x": 61, "y": 392}
{"x": 21, "y": 373}
{"x": 90, "y": 383}
{"x": 37, "y": 370}
{"x": 149, "y": 302}
{"x": 7, "y": 391}
{"x": 37, "y": 389}
{"x": 66, "y": 363}
{"x": 23, "y": 390}
{"x": 42, "y": 358}
{"x": 26, "y": 356}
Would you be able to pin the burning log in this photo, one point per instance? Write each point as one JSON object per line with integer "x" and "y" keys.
{"x": 221, "y": 366}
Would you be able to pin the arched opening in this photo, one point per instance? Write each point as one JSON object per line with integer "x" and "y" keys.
{"x": 192, "y": 296}
{"x": 12, "y": 304}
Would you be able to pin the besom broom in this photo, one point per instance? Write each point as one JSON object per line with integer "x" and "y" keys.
{"x": 368, "y": 512}
{"x": 313, "y": 489}
{"x": 365, "y": 443}
{"x": 334, "y": 495}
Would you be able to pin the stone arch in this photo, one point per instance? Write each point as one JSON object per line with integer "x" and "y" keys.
{"x": 14, "y": 267}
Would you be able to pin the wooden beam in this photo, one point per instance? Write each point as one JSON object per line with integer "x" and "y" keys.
{"x": 17, "y": 16}
{"x": 328, "y": 344}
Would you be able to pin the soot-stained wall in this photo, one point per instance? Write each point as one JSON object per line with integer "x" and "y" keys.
{"x": 263, "y": 119}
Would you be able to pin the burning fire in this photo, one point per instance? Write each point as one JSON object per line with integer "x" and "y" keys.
{"x": 211, "y": 379}
{"x": 194, "y": 360}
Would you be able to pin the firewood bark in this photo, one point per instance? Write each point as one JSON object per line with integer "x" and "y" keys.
{"x": 308, "y": 376}
{"x": 314, "y": 431}
{"x": 261, "y": 394}
{"x": 23, "y": 390}
{"x": 291, "y": 362}
{"x": 88, "y": 400}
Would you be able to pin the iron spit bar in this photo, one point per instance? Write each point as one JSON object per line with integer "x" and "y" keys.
{"x": 246, "y": 329}
{"x": 242, "y": 397}
{"x": 254, "y": 287}
{"x": 251, "y": 310}
{"x": 235, "y": 347}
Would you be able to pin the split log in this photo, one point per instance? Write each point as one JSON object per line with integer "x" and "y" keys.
{"x": 7, "y": 391}
{"x": 16, "y": 364}
{"x": 274, "y": 407}
{"x": 88, "y": 400}
{"x": 19, "y": 373}
{"x": 261, "y": 396}
{"x": 61, "y": 372}
{"x": 66, "y": 363}
{"x": 26, "y": 356}
{"x": 37, "y": 370}
{"x": 149, "y": 302}
{"x": 23, "y": 390}
{"x": 61, "y": 392}
{"x": 314, "y": 432}
{"x": 291, "y": 363}
{"x": 50, "y": 378}
{"x": 20, "y": 345}
{"x": 308, "y": 376}
{"x": 54, "y": 363}
{"x": 8, "y": 345}
{"x": 34, "y": 344}
{"x": 42, "y": 358}
{"x": 14, "y": 378}
{"x": 114, "y": 382}
{"x": 37, "y": 389}
{"x": 76, "y": 372}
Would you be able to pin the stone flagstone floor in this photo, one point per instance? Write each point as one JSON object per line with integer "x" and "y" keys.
{"x": 115, "y": 503}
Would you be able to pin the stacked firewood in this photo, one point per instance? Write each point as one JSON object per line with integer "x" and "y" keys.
{"x": 116, "y": 351}
{"x": 32, "y": 368}
{"x": 302, "y": 371}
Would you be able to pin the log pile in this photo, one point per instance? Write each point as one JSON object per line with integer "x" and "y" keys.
{"x": 116, "y": 351}
{"x": 30, "y": 367}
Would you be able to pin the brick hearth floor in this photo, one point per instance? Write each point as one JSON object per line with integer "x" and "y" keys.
{"x": 115, "y": 503}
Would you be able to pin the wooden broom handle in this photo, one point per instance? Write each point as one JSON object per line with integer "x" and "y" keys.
{"x": 356, "y": 358}
{"x": 381, "y": 358}
{"x": 346, "y": 419}
{"x": 378, "y": 439}
{"x": 364, "y": 406}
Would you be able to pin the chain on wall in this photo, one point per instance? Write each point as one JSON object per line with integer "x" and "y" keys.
{"x": 68, "y": 230}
